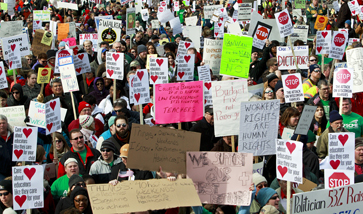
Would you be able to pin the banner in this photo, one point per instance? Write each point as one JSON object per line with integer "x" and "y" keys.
{"x": 343, "y": 83}
{"x": 215, "y": 175}
{"x": 323, "y": 41}
{"x": 293, "y": 90}
{"x": 25, "y": 144}
{"x": 109, "y": 31}
{"x": 285, "y": 59}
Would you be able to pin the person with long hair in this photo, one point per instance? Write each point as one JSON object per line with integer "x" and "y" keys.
{"x": 151, "y": 48}
{"x": 289, "y": 119}
{"x": 61, "y": 148}
{"x": 318, "y": 124}
{"x": 268, "y": 93}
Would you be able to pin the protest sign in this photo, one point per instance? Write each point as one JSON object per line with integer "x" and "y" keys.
{"x": 11, "y": 6}
{"x": 131, "y": 19}
{"x": 353, "y": 7}
{"x": 179, "y": 102}
{"x": 300, "y": 4}
{"x": 25, "y": 143}
{"x": 307, "y": 185}
{"x": 185, "y": 69}
{"x": 43, "y": 15}
{"x": 37, "y": 24}
{"x": 152, "y": 147}
{"x": 109, "y": 31}
{"x": 63, "y": 31}
{"x": 97, "y": 20}
{"x": 275, "y": 33}
{"x": 68, "y": 76}
{"x": 43, "y": 75}
{"x": 300, "y": 33}
{"x": 52, "y": 116}
{"x": 204, "y": 73}
{"x": 183, "y": 49}
{"x": 28, "y": 190}
{"x": 336, "y": 6}
{"x": 215, "y": 175}
{"x": 338, "y": 178}
{"x": 212, "y": 54}
{"x": 285, "y": 58}
{"x": 234, "y": 28}
{"x": 255, "y": 90}
{"x": 289, "y": 160}
{"x": 259, "y": 122}
{"x": 3, "y": 80}
{"x": 284, "y": 23}
{"x": 176, "y": 25}
{"x": 194, "y": 33}
{"x": 227, "y": 98}
{"x": 3, "y": 6}
{"x": 191, "y": 21}
{"x": 67, "y": 5}
{"x": 176, "y": 6}
{"x": 49, "y": 170}
{"x": 293, "y": 90}
{"x": 305, "y": 120}
{"x": 139, "y": 88}
{"x": 321, "y": 22}
{"x": 218, "y": 29}
{"x": 343, "y": 83}
{"x": 61, "y": 54}
{"x": 91, "y": 37}
{"x": 351, "y": 40}
{"x": 260, "y": 34}
{"x": 145, "y": 14}
{"x": 208, "y": 93}
{"x": 72, "y": 31}
{"x": 337, "y": 200}
{"x": 148, "y": 57}
{"x": 81, "y": 63}
{"x": 14, "y": 114}
{"x": 165, "y": 16}
{"x": 155, "y": 24}
{"x": 8, "y": 29}
{"x": 47, "y": 38}
{"x": 15, "y": 46}
{"x": 137, "y": 196}
{"x": 287, "y": 133}
{"x": 115, "y": 65}
{"x": 244, "y": 11}
{"x": 355, "y": 60}
{"x": 236, "y": 55}
{"x": 158, "y": 70}
{"x": 36, "y": 114}
{"x": 338, "y": 44}
{"x": 258, "y": 167}
{"x": 323, "y": 41}
{"x": 209, "y": 10}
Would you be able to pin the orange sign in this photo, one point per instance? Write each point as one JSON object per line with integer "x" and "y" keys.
{"x": 321, "y": 22}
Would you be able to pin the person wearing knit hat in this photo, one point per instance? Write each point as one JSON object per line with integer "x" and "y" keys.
{"x": 268, "y": 196}
{"x": 62, "y": 45}
{"x": 80, "y": 200}
{"x": 142, "y": 53}
{"x": 272, "y": 79}
{"x": 9, "y": 210}
{"x": 88, "y": 128}
{"x": 283, "y": 196}
{"x": 315, "y": 74}
{"x": 311, "y": 141}
{"x": 107, "y": 134}
{"x": 260, "y": 182}
{"x": 75, "y": 180}
{"x": 84, "y": 108}
{"x": 279, "y": 86}
{"x": 86, "y": 121}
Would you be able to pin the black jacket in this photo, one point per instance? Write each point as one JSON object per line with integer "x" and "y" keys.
{"x": 117, "y": 142}
{"x": 207, "y": 138}
{"x": 258, "y": 67}
{"x": 6, "y": 154}
{"x": 63, "y": 204}
{"x": 141, "y": 61}
{"x": 311, "y": 161}
{"x": 12, "y": 101}
{"x": 332, "y": 104}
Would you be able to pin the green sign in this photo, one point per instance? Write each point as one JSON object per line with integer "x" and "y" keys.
{"x": 236, "y": 55}
{"x": 300, "y": 4}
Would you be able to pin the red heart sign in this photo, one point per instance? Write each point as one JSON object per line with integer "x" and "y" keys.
{"x": 216, "y": 33}
{"x": 187, "y": 44}
{"x": 282, "y": 170}
{"x": 353, "y": 12}
{"x": 18, "y": 153}
{"x": 115, "y": 57}
{"x": 154, "y": 78}
{"x": 20, "y": 199}
{"x": 159, "y": 61}
{"x": 219, "y": 24}
{"x": 290, "y": 146}
{"x": 319, "y": 49}
{"x": 234, "y": 20}
{"x": 353, "y": 2}
{"x": 47, "y": 169}
{"x": 181, "y": 74}
{"x": 80, "y": 56}
{"x": 1, "y": 71}
{"x": 153, "y": 121}
{"x": 37, "y": 22}
{"x": 222, "y": 9}
{"x": 222, "y": 19}
{"x": 140, "y": 74}
{"x": 11, "y": 64}
{"x": 13, "y": 46}
{"x": 29, "y": 172}
{"x": 335, "y": 164}
{"x": 324, "y": 34}
{"x": 78, "y": 70}
{"x": 205, "y": 101}
{"x": 137, "y": 96}
{"x": 49, "y": 126}
{"x": 208, "y": 85}
{"x": 187, "y": 58}
{"x": 110, "y": 72}
{"x": 27, "y": 132}
{"x": 53, "y": 104}
{"x": 343, "y": 138}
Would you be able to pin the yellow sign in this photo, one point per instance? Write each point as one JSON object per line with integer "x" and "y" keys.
{"x": 47, "y": 38}
{"x": 163, "y": 40}
{"x": 321, "y": 22}
{"x": 44, "y": 75}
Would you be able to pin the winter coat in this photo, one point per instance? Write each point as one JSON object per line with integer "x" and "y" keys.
{"x": 207, "y": 138}
{"x": 6, "y": 154}
{"x": 12, "y": 101}
{"x": 99, "y": 95}
{"x": 101, "y": 170}
{"x": 322, "y": 145}
{"x": 31, "y": 93}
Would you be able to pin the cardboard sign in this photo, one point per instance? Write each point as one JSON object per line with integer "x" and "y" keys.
{"x": 289, "y": 160}
{"x": 12, "y": 28}
{"x": 321, "y": 22}
{"x": 260, "y": 35}
{"x": 209, "y": 10}
{"x": 343, "y": 83}
{"x": 43, "y": 15}
{"x": 227, "y": 98}
{"x": 158, "y": 70}
{"x": 28, "y": 190}
{"x": 185, "y": 69}
{"x": 212, "y": 54}
{"x": 25, "y": 144}
{"x": 3, "y": 80}
{"x": 152, "y": 147}
{"x": 323, "y": 41}
{"x": 15, "y": 46}
{"x": 109, "y": 31}
{"x": 285, "y": 58}
{"x": 138, "y": 196}
{"x": 218, "y": 29}
{"x": 15, "y": 115}
{"x": 179, "y": 102}
{"x": 338, "y": 178}
{"x": 258, "y": 127}
{"x": 293, "y": 88}
{"x": 115, "y": 65}
{"x": 307, "y": 185}
{"x": 139, "y": 88}
{"x": 300, "y": 33}
{"x": 131, "y": 19}
{"x": 284, "y": 23}
{"x": 306, "y": 117}
{"x": 208, "y": 100}
{"x": 236, "y": 55}
{"x": 338, "y": 44}
{"x": 91, "y": 37}
{"x": 204, "y": 73}
{"x": 52, "y": 116}
{"x": 68, "y": 77}
{"x": 221, "y": 171}
{"x": 81, "y": 63}
{"x": 43, "y": 75}
{"x": 355, "y": 61}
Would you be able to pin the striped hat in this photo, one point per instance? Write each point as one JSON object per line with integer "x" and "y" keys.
{"x": 85, "y": 121}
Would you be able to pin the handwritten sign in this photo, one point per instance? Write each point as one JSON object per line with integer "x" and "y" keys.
{"x": 68, "y": 77}
{"x": 289, "y": 160}
{"x": 28, "y": 191}
{"x": 300, "y": 33}
{"x": 97, "y": 20}
{"x": 12, "y": 28}
{"x": 61, "y": 54}
{"x": 221, "y": 177}
{"x": 152, "y": 147}
{"x": 338, "y": 44}
{"x": 227, "y": 98}
{"x": 343, "y": 83}
{"x": 158, "y": 70}
{"x": 25, "y": 143}
{"x": 36, "y": 114}
{"x": 52, "y": 116}
{"x": 139, "y": 90}
{"x": 15, "y": 115}
{"x": 91, "y": 37}
{"x": 338, "y": 178}
{"x": 81, "y": 63}
{"x": 49, "y": 170}
{"x": 3, "y": 80}
{"x": 236, "y": 55}
{"x": 212, "y": 54}
{"x": 244, "y": 11}
{"x": 305, "y": 120}
{"x": 191, "y": 21}
{"x": 204, "y": 73}
{"x": 43, "y": 15}
{"x": 179, "y": 102}
{"x": 293, "y": 88}
{"x": 209, "y": 10}
{"x": 155, "y": 24}
{"x": 323, "y": 41}
{"x": 258, "y": 167}
{"x": 355, "y": 61}
{"x": 341, "y": 151}
{"x": 115, "y": 65}
{"x": 261, "y": 34}
{"x": 137, "y": 196}
{"x": 287, "y": 133}
{"x": 37, "y": 24}
{"x": 43, "y": 75}
{"x": 183, "y": 49}
{"x": 285, "y": 58}
{"x": 219, "y": 29}
{"x": 15, "y": 46}
{"x": 185, "y": 69}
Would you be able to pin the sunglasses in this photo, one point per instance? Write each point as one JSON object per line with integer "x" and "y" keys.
{"x": 43, "y": 62}
{"x": 80, "y": 137}
{"x": 80, "y": 184}
{"x": 123, "y": 125}
{"x": 4, "y": 194}
{"x": 16, "y": 92}
{"x": 271, "y": 91}
{"x": 106, "y": 150}
{"x": 99, "y": 84}
{"x": 312, "y": 60}
{"x": 261, "y": 186}
{"x": 117, "y": 111}
{"x": 58, "y": 141}
{"x": 316, "y": 70}
{"x": 276, "y": 64}
{"x": 274, "y": 197}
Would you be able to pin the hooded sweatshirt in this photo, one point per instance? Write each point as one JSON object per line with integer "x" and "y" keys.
{"x": 99, "y": 95}
{"x": 12, "y": 101}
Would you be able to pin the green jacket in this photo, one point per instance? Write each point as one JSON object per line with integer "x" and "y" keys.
{"x": 314, "y": 10}
{"x": 323, "y": 141}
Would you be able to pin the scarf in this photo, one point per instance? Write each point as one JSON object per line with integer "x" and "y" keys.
{"x": 89, "y": 82}
{"x": 358, "y": 169}
{"x": 124, "y": 139}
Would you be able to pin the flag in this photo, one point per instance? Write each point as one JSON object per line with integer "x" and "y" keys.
{"x": 125, "y": 174}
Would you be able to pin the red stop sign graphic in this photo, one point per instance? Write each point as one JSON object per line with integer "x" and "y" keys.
{"x": 44, "y": 72}
{"x": 292, "y": 82}
{"x": 163, "y": 3}
{"x": 262, "y": 33}
{"x": 343, "y": 76}
{"x": 283, "y": 18}
{"x": 63, "y": 53}
{"x": 338, "y": 179}
{"x": 339, "y": 39}
{"x": 161, "y": 9}
{"x": 321, "y": 20}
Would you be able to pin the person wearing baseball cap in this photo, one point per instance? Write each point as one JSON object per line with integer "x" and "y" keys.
{"x": 107, "y": 134}
{"x": 6, "y": 195}
{"x": 315, "y": 75}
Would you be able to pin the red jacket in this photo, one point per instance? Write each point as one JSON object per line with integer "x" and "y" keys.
{"x": 98, "y": 125}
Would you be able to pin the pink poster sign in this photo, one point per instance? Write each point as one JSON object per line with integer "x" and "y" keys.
{"x": 179, "y": 102}
{"x": 70, "y": 41}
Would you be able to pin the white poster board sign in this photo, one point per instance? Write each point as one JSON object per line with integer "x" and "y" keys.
{"x": 139, "y": 87}
{"x": 338, "y": 44}
{"x": 343, "y": 83}
{"x": 284, "y": 23}
{"x": 355, "y": 61}
{"x": 293, "y": 90}
{"x": 25, "y": 143}
{"x": 115, "y": 65}
{"x": 285, "y": 57}
{"x": 323, "y": 41}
